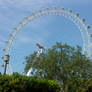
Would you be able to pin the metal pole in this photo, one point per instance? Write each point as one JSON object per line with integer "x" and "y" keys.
{"x": 5, "y": 68}
{"x": 6, "y": 60}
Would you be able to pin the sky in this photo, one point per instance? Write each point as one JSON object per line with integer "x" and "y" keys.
{"x": 46, "y": 30}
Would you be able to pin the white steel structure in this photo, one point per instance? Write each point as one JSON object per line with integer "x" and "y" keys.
{"x": 41, "y": 48}
{"x": 79, "y": 22}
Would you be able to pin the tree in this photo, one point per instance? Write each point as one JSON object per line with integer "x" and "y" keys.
{"x": 62, "y": 63}
{"x": 21, "y": 83}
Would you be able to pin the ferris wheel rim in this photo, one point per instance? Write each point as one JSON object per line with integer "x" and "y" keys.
{"x": 68, "y": 14}
{"x": 45, "y": 12}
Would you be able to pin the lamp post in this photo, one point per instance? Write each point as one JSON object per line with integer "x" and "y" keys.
{"x": 6, "y": 60}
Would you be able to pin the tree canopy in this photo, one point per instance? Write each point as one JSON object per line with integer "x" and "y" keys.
{"x": 63, "y": 63}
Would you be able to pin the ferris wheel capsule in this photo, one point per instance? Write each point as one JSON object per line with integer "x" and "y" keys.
{"x": 77, "y": 14}
{"x": 32, "y": 14}
{"x": 90, "y": 35}
{"x": 40, "y": 11}
{"x": 10, "y": 35}
{"x": 4, "y": 49}
{"x": 15, "y": 28}
{"x": 55, "y": 8}
{"x": 47, "y": 9}
{"x": 6, "y": 41}
{"x": 20, "y": 22}
{"x": 3, "y": 65}
{"x": 63, "y": 9}
{"x": 83, "y": 19}
{"x": 88, "y": 26}
{"x": 70, "y": 11}
{"x": 26, "y": 17}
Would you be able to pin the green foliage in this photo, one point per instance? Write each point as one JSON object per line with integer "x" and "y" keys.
{"x": 88, "y": 86}
{"x": 20, "y": 83}
{"x": 63, "y": 63}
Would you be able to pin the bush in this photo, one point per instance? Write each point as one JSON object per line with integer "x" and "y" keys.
{"x": 20, "y": 83}
{"x": 88, "y": 86}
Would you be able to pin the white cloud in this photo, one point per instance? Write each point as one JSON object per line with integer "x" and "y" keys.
{"x": 34, "y": 3}
{"x": 20, "y": 3}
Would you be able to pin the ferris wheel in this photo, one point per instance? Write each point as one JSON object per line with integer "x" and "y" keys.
{"x": 68, "y": 14}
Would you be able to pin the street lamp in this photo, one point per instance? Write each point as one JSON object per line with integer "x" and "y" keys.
{"x": 6, "y": 60}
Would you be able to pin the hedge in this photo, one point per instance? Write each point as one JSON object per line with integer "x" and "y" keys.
{"x": 88, "y": 86}
{"x": 20, "y": 83}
